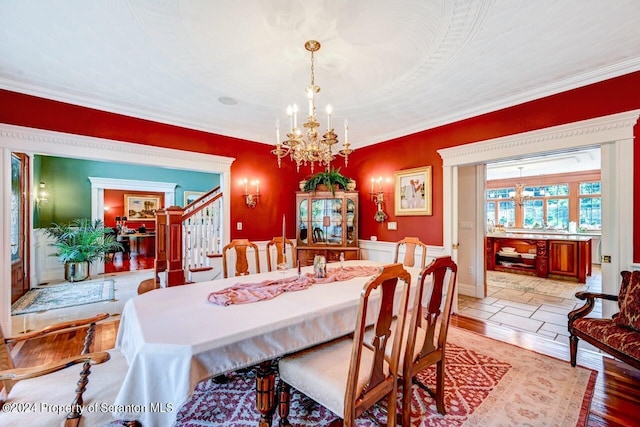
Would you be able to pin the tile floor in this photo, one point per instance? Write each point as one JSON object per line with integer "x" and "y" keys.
{"x": 527, "y": 311}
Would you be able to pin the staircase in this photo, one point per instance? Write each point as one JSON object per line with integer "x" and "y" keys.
{"x": 189, "y": 241}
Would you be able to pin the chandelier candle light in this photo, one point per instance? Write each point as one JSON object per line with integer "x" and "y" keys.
{"x": 520, "y": 195}
{"x": 313, "y": 148}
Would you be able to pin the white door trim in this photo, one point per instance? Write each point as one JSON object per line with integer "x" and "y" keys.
{"x": 613, "y": 133}
{"x": 37, "y": 141}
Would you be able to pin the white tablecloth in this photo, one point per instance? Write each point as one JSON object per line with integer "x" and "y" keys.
{"x": 173, "y": 338}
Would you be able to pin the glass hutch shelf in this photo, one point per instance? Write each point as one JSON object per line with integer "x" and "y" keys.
{"x": 326, "y": 224}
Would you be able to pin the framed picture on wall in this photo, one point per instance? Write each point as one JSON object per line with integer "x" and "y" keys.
{"x": 140, "y": 206}
{"x": 412, "y": 194}
{"x": 191, "y": 196}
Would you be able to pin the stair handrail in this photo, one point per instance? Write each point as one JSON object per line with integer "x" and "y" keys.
{"x": 173, "y": 219}
{"x": 198, "y": 204}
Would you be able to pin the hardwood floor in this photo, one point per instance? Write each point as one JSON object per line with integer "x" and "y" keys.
{"x": 120, "y": 262}
{"x": 616, "y": 399}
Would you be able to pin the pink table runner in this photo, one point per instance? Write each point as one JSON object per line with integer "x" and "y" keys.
{"x": 243, "y": 293}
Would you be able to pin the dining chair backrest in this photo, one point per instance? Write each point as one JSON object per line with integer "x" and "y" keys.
{"x": 6, "y": 360}
{"x": 428, "y": 327}
{"x": 382, "y": 378}
{"x": 410, "y": 244}
{"x": 280, "y": 252}
{"x": 59, "y": 382}
{"x": 370, "y": 376}
{"x": 242, "y": 262}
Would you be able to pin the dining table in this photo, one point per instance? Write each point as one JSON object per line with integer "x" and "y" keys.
{"x": 175, "y": 337}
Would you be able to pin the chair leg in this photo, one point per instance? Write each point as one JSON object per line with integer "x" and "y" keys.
{"x": 440, "y": 387}
{"x": 573, "y": 349}
{"x": 406, "y": 401}
{"x": 392, "y": 402}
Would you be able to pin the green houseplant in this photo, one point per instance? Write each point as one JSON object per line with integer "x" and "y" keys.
{"x": 331, "y": 178}
{"x": 80, "y": 243}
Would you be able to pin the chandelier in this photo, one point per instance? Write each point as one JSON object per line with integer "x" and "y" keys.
{"x": 520, "y": 194}
{"x": 309, "y": 147}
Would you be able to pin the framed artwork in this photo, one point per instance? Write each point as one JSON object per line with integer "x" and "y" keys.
{"x": 191, "y": 196}
{"x": 141, "y": 206}
{"x": 413, "y": 191}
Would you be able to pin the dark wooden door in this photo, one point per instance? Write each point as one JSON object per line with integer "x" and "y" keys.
{"x": 19, "y": 225}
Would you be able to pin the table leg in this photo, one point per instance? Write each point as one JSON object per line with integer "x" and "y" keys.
{"x": 265, "y": 393}
{"x": 284, "y": 396}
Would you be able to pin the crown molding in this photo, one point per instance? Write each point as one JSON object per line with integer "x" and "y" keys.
{"x": 592, "y": 132}
{"x": 48, "y": 142}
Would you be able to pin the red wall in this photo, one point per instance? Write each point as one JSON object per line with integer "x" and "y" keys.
{"x": 600, "y": 99}
{"x": 254, "y": 161}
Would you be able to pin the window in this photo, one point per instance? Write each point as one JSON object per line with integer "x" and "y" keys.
{"x": 558, "y": 213}
{"x": 533, "y": 216}
{"x": 590, "y": 206}
{"x": 544, "y": 206}
{"x": 507, "y": 213}
{"x": 500, "y": 208}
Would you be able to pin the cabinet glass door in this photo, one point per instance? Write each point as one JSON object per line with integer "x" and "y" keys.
{"x": 326, "y": 221}
{"x": 351, "y": 218}
{"x": 303, "y": 232}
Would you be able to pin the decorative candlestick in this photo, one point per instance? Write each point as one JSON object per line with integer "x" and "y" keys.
{"x": 299, "y": 271}
{"x": 284, "y": 246}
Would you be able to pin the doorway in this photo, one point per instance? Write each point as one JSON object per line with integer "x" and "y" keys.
{"x": 31, "y": 141}
{"x": 613, "y": 134}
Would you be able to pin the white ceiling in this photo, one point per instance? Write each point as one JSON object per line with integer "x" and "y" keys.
{"x": 548, "y": 164}
{"x": 391, "y": 67}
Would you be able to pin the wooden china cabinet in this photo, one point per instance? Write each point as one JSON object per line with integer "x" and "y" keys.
{"x": 326, "y": 224}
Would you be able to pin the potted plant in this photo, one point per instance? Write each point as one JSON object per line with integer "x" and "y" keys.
{"x": 330, "y": 178}
{"x": 80, "y": 243}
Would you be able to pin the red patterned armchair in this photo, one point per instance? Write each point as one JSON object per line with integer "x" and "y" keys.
{"x": 618, "y": 336}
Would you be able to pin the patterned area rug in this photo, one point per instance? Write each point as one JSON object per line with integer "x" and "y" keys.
{"x": 535, "y": 285}
{"x": 52, "y": 297}
{"x": 488, "y": 383}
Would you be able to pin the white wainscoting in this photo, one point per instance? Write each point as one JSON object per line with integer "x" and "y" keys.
{"x": 47, "y": 267}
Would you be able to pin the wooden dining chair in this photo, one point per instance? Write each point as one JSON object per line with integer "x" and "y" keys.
{"x": 60, "y": 383}
{"x": 240, "y": 247}
{"x": 344, "y": 375}
{"x": 410, "y": 244}
{"x": 427, "y": 332}
{"x": 277, "y": 242}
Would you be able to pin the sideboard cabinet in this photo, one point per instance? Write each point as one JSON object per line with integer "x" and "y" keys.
{"x": 556, "y": 256}
{"x": 326, "y": 224}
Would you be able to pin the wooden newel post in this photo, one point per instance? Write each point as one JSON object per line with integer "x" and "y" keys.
{"x": 175, "y": 272}
{"x": 160, "y": 263}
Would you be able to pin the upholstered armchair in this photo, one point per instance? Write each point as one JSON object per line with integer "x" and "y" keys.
{"x": 618, "y": 336}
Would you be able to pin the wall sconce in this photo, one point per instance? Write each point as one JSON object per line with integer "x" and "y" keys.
{"x": 251, "y": 199}
{"x": 42, "y": 197}
{"x": 377, "y": 197}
